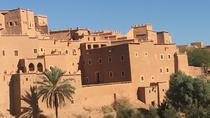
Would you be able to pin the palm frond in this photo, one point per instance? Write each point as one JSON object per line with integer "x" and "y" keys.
{"x": 31, "y": 99}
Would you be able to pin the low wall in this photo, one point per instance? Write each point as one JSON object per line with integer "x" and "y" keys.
{"x": 90, "y": 98}
{"x": 195, "y": 71}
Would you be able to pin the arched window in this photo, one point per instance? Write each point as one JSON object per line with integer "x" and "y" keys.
{"x": 40, "y": 67}
{"x": 31, "y": 67}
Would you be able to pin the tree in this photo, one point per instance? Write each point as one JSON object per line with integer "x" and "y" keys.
{"x": 197, "y": 112}
{"x": 199, "y": 57}
{"x": 33, "y": 110}
{"x": 152, "y": 113}
{"x": 166, "y": 110}
{"x": 54, "y": 90}
{"x": 185, "y": 92}
{"x": 129, "y": 113}
{"x": 124, "y": 110}
{"x": 180, "y": 90}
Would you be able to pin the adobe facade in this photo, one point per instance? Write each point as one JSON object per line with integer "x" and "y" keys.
{"x": 103, "y": 65}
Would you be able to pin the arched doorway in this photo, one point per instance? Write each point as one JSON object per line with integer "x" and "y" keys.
{"x": 40, "y": 67}
{"x": 31, "y": 67}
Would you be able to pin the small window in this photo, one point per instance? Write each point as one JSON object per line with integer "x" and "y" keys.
{"x": 122, "y": 58}
{"x": 122, "y": 74}
{"x": 35, "y": 50}
{"x": 163, "y": 90}
{"x": 95, "y": 46}
{"x": 103, "y": 45}
{"x": 16, "y": 53}
{"x": 167, "y": 70}
{"x": 10, "y": 24}
{"x": 26, "y": 79}
{"x": 161, "y": 56}
{"x": 100, "y": 60}
{"x": 141, "y": 78}
{"x": 89, "y": 46}
{"x": 94, "y": 38}
{"x": 3, "y": 53}
{"x": 41, "y": 49}
{"x": 89, "y": 62}
{"x": 169, "y": 56}
{"x": 67, "y": 52}
{"x": 136, "y": 54}
{"x": 109, "y": 59}
{"x": 146, "y": 53}
{"x": 152, "y": 77}
{"x": 110, "y": 74}
{"x": 88, "y": 38}
{"x": 74, "y": 52}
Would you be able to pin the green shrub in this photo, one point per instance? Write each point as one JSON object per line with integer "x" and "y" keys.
{"x": 106, "y": 109}
{"x": 124, "y": 110}
{"x": 152, "y": 113}
{"x": 108, "y": 116}
{"x": 129, "y": 113}
{"x": 121, "y": 104}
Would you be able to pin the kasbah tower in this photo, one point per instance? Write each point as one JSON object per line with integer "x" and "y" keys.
{"x": 103, "y": 65}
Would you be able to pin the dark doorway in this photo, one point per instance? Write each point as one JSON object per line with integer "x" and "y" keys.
{"x": 97, "y": 77}
{"x": 153, "y": 103}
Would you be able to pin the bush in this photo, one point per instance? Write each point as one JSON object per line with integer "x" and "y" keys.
{"x": 152, "y": 113}
{"x": 129, "y": 113}
{"x": 195, "y": 112}
{"x": 121, "y": 104}
{"x": 106, "y": 109}
{"x": 108, "y": 116}
{"x": 124, "y": 110}
{"x": 170, "y": 113}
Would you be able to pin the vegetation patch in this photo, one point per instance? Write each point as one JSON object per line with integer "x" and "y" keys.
{"x": 106, "y": 109}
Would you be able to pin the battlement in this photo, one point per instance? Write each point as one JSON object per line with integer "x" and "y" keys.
{"x": 147, "y": 26}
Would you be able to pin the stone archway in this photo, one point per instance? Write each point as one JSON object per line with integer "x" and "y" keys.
{"x": 31, "y": 67}
{"x": 40, "y": 67}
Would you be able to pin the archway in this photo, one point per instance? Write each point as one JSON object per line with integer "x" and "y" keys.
{"x": 31, "y": 67}
{"x": 40, "y": 67}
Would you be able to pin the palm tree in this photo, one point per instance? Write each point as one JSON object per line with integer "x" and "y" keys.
{"x": 33, "y": 110}
{"x": 54, "y": 90}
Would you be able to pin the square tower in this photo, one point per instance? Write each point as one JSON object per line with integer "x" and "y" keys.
{"x": 20, "y": 22}
{"x": 41, "y": 24}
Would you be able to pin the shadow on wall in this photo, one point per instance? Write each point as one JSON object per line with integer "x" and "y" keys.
{"x": 14, "y": 93}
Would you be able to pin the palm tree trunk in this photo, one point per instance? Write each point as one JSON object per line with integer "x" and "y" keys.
{"x": 56, "y": 111}
{"x": 56, "y": 106}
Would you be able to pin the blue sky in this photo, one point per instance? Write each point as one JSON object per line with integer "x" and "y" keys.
{"x": 186, "y": 20}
